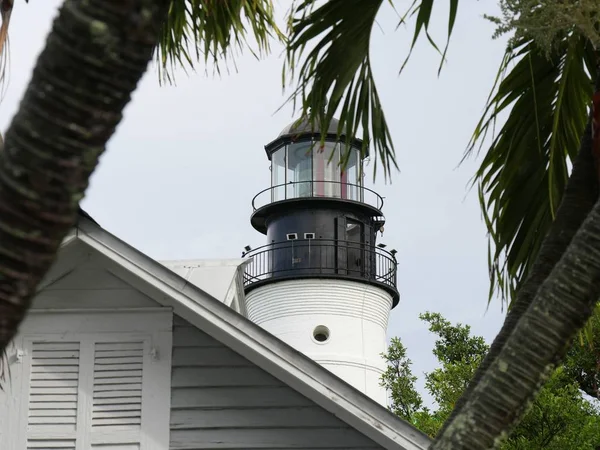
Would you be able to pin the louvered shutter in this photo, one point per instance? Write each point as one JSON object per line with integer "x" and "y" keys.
{"x": 52, "y": 404}
{"x": 117, "y": 393}
{"x": 3, "y": 417}
{"x": 92, "y": 391}
{"x": 5, "y": 382}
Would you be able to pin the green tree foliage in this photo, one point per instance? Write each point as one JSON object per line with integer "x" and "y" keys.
{"x": 561, "y": 417}
{"x": 548, "y": 25}
{"x": 583, "y": 361}
{"x": 459, "y": 354}
{"x": 401, "y": 382}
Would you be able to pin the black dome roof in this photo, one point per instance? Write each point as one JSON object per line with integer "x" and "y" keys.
{"x": 301, "y": 127}
{"x": 304, "y": 126}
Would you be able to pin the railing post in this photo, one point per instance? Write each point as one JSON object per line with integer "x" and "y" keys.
{"x": 321, "y": 259}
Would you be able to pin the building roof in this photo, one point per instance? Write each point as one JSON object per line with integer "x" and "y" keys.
{"x": 193, "y": 303}
{"x": 221, "y": 278}
{"x": 82, "y": 214}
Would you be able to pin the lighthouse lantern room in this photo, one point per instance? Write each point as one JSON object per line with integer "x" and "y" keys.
{"x": 321, "y": 283}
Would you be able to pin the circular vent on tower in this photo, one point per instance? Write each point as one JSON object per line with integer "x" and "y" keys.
{"x": 321, "y": 334}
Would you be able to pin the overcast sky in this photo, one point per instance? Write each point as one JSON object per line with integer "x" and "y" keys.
{"x": 180, "y": 173}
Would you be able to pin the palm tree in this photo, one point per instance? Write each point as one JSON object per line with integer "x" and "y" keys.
{"x": 533, "y": 207}
{"x": 73, "y": 104}
{"x": 69, "y": 111}
{"x": 534, "y": 211}
{"x": 192, "y": 30}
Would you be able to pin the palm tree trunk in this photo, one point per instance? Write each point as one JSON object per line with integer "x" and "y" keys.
{"x": 94, "y": 57}
{"x": 563, "y": 304}
{"x": 557, "y": 299}
{"x": 578, "y": 199}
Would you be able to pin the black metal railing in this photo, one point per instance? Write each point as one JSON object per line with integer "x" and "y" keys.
{"x": 314, "y": 257}
{"x": 317, "y": 189}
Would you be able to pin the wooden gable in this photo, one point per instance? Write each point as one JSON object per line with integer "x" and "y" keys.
{"x": 229, "y": 384}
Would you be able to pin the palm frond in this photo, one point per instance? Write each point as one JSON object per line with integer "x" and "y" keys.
{"x": 523, "y": 174}
{"x": 423, "y": 11}
{"x": 586, "y": 334}
{"x": 212, "y": 30}
{"x": 336, "y": 72}
{"x": 6, "y": 7}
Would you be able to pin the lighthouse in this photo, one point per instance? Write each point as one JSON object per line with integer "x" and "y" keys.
{"x": 321, "y": 283}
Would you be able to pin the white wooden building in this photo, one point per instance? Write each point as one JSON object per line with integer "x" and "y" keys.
{"x": 121, "y": 352}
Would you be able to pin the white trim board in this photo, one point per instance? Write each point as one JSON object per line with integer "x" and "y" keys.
{"x": 254, "y": 343}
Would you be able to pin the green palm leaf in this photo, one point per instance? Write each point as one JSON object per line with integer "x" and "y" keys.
{"x": 336, "y": 73}
{"x": 524, "y": 172}
{"x": 213, "y": 30}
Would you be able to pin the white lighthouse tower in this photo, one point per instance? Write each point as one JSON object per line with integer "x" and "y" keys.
{"x": 322, "y": 284}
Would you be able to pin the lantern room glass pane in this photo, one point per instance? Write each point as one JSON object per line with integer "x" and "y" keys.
{"x": 351, "y": 189}
{"x": 278, "y": 175}
{"x": 326, "y": 167}
{"x": 299, "y": 170}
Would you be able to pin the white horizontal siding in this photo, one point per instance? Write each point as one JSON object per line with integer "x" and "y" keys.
{"x": 322, "y": 297}
{"x": 355, "y": 315}
{"x": 220, "y": 400}
{"x": 268, "y": 438}
{"x": 90, "y": 286}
